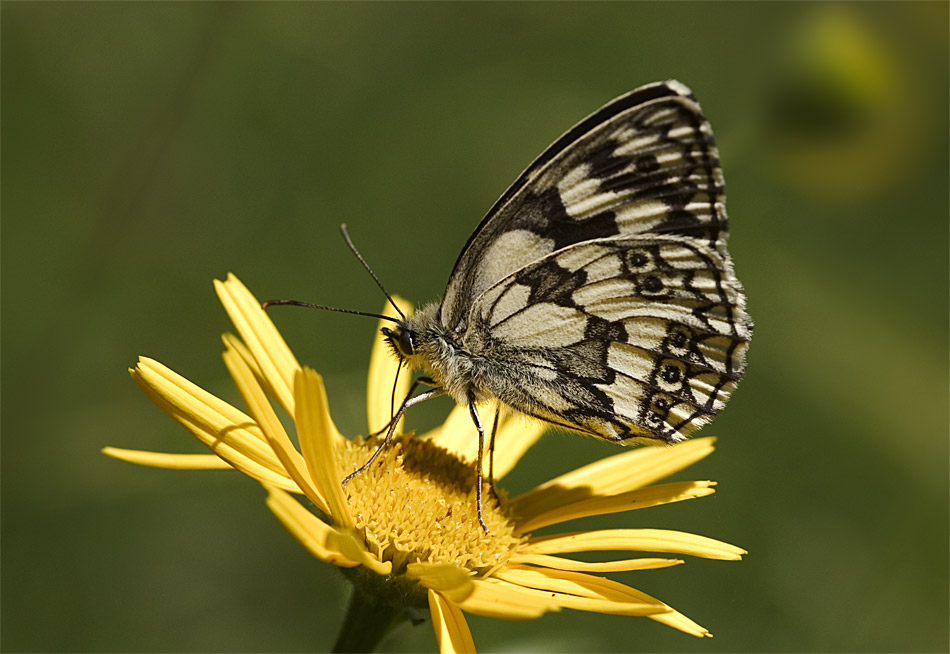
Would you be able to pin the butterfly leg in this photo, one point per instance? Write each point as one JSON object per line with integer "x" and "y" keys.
{"x": 478, "y": 462}
{"x": 435, "y": 392}
{"x": 412, "y": 389}
{"x": 491, "y": 455}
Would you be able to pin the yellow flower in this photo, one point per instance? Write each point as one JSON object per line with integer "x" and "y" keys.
{"x": 405, "y": 530}
{"x": 847, "y": 112}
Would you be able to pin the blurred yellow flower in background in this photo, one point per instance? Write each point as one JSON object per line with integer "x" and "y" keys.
{"x": 845, "y": 109}
{"x": 405, "y": 531}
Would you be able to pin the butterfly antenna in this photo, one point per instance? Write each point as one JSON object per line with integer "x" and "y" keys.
{"x": 349, "y": 242}
{"x": 298, "y": 303}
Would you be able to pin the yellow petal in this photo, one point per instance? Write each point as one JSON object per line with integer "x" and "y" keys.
{"x": 381, "y": 400}
{"x": 610, "y": 596}
{"x": 451, "y": 629}
{"x": 458, "y": 434}
{"x": 455, "y": 415}
{"x": 516, "y": 435}
{"x": 614, "y": 475}
{"x": 643, "y": 540}
{"x": 194, "y": 462}
{"x": 495, "y": 598}
{"x": 677, "y": 620}
{"x": 600, "y": 605}
{"x": 168, "y": 460}
{"x": 560, "y": 563}
{"x": 277, "y": 438}
{"x": 224, "y": 430}
{"x": 184, "y": 397}
{"x": 588, "y": 593}
{"x": 312, "y": 532}
{"x": 636, "y": 499}
{"x": 233, "y": 343}
{"x": 450, "y": 580}
{"x": 355, "y": 549}
{"x": 277, "y": 363}
{"x": 315, "y": 432}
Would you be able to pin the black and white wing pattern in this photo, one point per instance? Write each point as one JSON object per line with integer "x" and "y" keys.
{"x": 597, "y": 294}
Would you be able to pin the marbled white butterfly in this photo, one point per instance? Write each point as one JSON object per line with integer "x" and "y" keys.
{"x": 597, "y": 294}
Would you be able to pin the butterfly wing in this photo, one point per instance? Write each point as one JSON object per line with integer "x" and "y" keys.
{"x": 622, "y": 338}
{"x": 601, "y": 282}
{"x": 645, "y": 162}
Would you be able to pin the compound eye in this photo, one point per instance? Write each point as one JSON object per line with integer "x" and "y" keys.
{"x": 406, "y": 342}
{"x": 402, "y": 340}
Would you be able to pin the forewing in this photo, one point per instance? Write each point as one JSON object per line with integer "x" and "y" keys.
{"x": 621, "y": 338}
{"x": 643, "y": 164}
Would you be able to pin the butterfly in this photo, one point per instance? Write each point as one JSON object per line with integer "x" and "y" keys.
{"x": 597, "y": 293}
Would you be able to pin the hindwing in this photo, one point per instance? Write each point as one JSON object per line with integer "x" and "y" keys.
{"x": 619, "y": 337}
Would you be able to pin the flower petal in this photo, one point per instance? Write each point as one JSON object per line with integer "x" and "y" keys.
{"x": 224, "y": 430}
{"x": 273, "y": 430}
{"x": 168, "y": 460}
{"x": 588, "y": 593}
{"x": 355, "y": 549}
{"x": 450, "y": 580}
{"x": 234, "y": 344}
{"x": 277, "y": 363}
{"x": 516, "y": 435}
{"x": 325, "y": 542}
{"x": 495, "y": 598}
{"x": 643, "y": 540}
{"x": 435, "y": 434}
{"x": 383, "y": 366}
{"x": 451, "y": 629}
{"x": 679, "y": 621}
{"x": 610, "y": 596}
{"x": 636, "y": 499}
{"x": 611, "y": 476}
{"x": 560, "y": 563}
{"x": 315, "y": 431}
{"x": 312, "y": 532}
{"x": 458, "y": 434}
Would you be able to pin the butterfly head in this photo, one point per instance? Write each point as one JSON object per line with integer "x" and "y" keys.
{"x": 402, "y": 340}
{"x": 420, "y": 342}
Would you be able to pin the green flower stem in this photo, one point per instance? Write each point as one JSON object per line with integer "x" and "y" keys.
{"x": 368, "y": 621}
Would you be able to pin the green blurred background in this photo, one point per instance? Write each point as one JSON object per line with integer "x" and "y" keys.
{"x": 149, "y": 148}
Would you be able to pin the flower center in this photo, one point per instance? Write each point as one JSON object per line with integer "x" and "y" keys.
{"x": 417, "y": 503}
